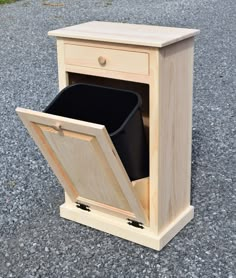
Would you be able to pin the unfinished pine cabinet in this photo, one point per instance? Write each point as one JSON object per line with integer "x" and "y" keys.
{"x": 157, "y": 63}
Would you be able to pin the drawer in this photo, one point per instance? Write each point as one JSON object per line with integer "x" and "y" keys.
{"x": 106, "y": 58}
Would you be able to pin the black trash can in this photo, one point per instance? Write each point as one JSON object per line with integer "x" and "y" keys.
{"x": 118, "y": 110}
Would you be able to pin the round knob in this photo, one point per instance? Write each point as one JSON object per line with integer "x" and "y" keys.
{"x": 57, "y": 127}
{"x": 102, "y": 60}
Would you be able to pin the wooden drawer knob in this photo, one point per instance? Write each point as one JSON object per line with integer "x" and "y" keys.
{"x": 102, "y": 61}
{"x": 57, "y": 127}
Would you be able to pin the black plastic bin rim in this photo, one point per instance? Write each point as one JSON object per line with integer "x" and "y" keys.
{"x": 132, "y": 112}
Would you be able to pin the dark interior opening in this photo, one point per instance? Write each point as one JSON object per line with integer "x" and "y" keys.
{"x": 140, "y": 88}
{"x": 102, "y": 105}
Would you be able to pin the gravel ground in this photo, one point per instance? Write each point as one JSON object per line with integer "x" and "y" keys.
{"x": 34, "y": 240}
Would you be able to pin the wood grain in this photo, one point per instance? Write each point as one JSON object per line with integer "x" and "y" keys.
{"x": 134, "y": 34}
{"x": 62, "y": 74}
{"x": 175, "y": 127}
{"x": 82, "y": 155}
{"x": 154, "y": 131}
{"x": 119, "y": 227}
{"x": 116, "y": 60}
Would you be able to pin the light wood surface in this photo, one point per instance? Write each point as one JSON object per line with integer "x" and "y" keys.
{"x": 85, "y": 161}
{"x": 115, "y": 68}
{"x": 115, "y": 60}
{"x": 80, "y": 155}
{"x": 62, "y": 73}
{"x": 154, "y": 131}
{"x": 175, "y": 126}
{"x": 119, "y": 227}
{"x": 122, "y": 33}
{"x": 141, "y": 188}
{"x": 108, "y": 73}
{"x": 109, "y": 45}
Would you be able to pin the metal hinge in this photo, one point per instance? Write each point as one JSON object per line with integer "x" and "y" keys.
{"x": 136, "y": 224}
{"x": 82, "y": 206}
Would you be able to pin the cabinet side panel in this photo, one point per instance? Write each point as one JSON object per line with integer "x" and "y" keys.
{"x": 175, "y": 131}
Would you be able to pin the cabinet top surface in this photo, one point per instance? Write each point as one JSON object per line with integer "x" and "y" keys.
{"x": 123, "y": 33}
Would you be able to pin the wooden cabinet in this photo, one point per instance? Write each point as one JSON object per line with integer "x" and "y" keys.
{"x": 157, "y": 63}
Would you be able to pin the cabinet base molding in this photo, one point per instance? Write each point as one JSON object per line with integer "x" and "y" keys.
{"x": 119, "y": 227}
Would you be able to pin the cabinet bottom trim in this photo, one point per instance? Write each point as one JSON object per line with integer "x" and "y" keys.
{"x": 119, "y": 227}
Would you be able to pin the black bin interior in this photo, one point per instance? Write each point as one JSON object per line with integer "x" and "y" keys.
{"x": 118, "y": 110}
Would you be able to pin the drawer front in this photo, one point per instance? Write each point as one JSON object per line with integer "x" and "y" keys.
{"x": 108, "y": 59}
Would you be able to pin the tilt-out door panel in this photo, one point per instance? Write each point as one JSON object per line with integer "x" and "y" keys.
{"x": 74, "y": 149}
